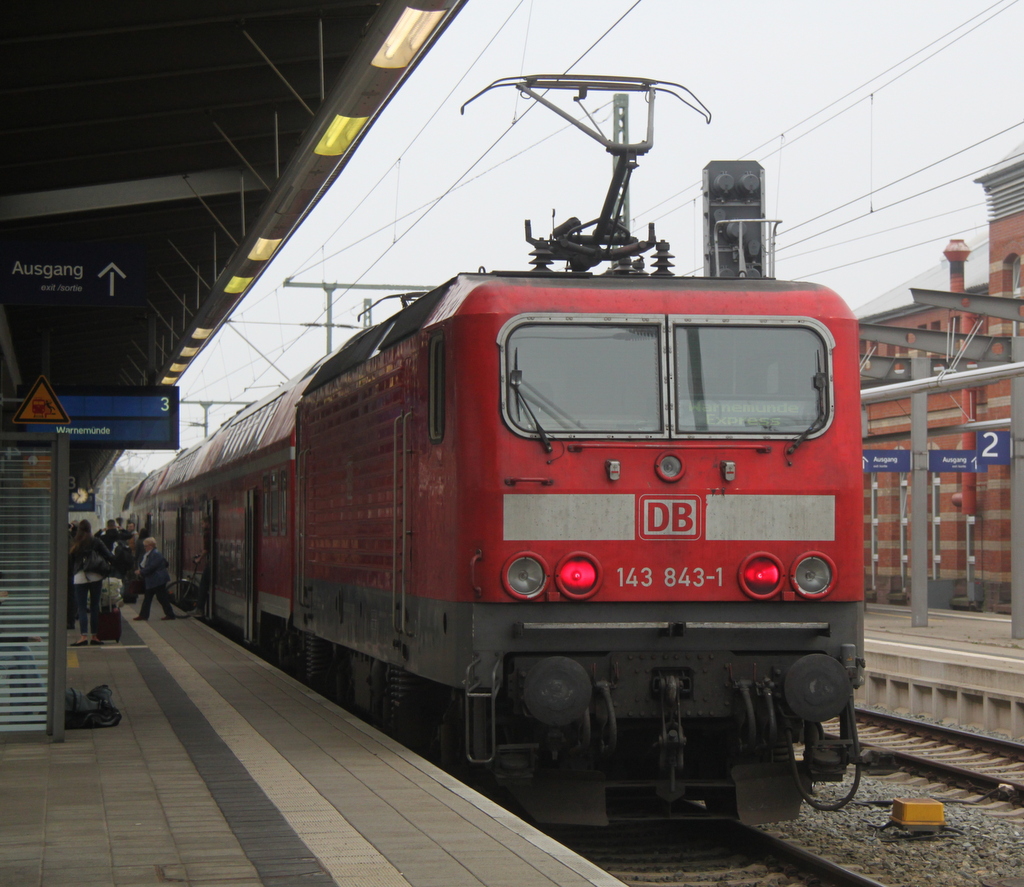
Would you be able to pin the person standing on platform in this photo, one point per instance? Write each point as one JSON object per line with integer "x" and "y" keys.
{"x": 203, "y": 559}
{"x": 90, "y": 562}
{"x": 108, "y": 536}
{"x": 153, "y": 570}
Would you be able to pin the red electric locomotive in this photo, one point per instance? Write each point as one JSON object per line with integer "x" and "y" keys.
{"x": 599, "y": 533}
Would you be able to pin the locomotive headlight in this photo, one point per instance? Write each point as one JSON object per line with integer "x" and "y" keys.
{"x": 669, "y": 467}
{"x": 813, "y": 575}
{"x": 578, "y": 575}
{"x": 760, "y": 576}
{"x": 524, "y": 575}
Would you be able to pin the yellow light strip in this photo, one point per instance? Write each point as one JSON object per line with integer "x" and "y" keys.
{"x": 264, "y": 249}
{"x": 237, "y": 284}
{"x": 189, "y": 352}
{"x": 201, "y": 334}
{"x": 409, "y": 33}
{"x": 340, "y": 134}
{"x": 168, "y": 380}
{"x": 179, "y": 367}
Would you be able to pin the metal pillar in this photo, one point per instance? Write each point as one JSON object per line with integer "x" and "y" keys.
{"x": 58, "y": 659}
{"x": 330, "y": 318}
{"x": 920, "y": 368}
{"x": 1017, "y": 496}
{"x": 874, "y": 532}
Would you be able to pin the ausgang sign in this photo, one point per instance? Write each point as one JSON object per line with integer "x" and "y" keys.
{"x": 52, "y": 273}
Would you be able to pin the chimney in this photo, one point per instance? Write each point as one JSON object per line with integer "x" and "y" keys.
{"x": 957, "y": 252}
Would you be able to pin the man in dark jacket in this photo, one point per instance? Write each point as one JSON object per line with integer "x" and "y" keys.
{"x": 153, "y": 569}
{"x": 109, "y": 535}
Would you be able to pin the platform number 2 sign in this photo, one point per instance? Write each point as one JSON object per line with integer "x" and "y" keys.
{"x": 994, "y": 447}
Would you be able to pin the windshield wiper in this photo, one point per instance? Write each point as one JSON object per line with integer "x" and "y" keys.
{"x": 515, "y": 379}
{"x": 819, "y": 383}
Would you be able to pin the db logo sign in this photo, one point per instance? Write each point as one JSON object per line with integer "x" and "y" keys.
{"x": 670, "y": 517}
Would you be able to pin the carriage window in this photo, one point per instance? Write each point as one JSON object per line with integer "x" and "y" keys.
{"x": 749, "y": 380}
{"x": 266, "y": 505}
{"x": 273, "y": 503}
{"x": 436, "y": 384}
{"x": 283, "y": 511}
{"x": 585, "y": 378}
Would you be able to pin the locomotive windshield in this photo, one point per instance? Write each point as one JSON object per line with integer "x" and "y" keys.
{"x": 647, "y": 377}
{"x": 749, "y": 380}
{"x": 579, "y": 378}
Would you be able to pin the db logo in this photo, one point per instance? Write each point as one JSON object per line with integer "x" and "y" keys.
{"x": 669, "y": 517}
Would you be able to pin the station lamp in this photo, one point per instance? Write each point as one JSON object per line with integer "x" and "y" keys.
{"x": 400, "y": 33}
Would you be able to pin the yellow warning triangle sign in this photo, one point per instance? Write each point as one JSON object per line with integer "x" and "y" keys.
{"x": 41, "y": 407}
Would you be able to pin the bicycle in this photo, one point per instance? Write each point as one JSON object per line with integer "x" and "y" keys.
{"x": 185, "y": 592}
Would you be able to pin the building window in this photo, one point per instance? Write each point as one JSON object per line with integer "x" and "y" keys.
{"x": 1015, "y": 277}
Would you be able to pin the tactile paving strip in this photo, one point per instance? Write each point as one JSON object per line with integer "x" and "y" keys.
{"x": 336, "y": 845}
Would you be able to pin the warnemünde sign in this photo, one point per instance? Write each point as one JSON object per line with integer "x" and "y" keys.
{"x": 111, "y": 417}
{"x": 41, "y": 273}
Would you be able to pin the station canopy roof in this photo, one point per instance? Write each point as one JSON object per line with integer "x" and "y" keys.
{"x": 199, "y": 132}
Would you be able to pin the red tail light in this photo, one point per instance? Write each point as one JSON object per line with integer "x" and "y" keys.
{"x": 578, "y": 575}
{"x": 761, "y": 576}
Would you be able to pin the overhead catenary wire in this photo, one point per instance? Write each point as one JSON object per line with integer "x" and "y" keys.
{"x": 930, "y": 241}
{"x": 881, "y": 231}
{"x": 462, "y": 180}
{"x": 905, "y": 178}
{"x": 792, "y": 139}
{"x": 433, "y": 204}
{"x": 894, "y": 203}
{"x": 876, "y": 210}
{"x": 413, "y": 140}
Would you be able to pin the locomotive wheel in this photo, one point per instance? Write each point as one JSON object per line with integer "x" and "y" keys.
{"x": 413, "y": 709}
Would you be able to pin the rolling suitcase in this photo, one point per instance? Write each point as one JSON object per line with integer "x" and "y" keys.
{"x": 110, "y": 625}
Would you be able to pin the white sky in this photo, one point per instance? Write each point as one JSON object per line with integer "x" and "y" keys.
{"x": 838, "y": 101}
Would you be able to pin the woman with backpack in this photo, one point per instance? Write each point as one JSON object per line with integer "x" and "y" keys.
{"x": 90, "y": 563}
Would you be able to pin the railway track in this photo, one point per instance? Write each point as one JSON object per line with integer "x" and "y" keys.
{"x": 701, "y": 853}
{"x": 953, "y": 765}
{"x": 989, "y": 767}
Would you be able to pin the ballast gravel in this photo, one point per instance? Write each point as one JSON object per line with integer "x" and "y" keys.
{"x": 982, "y": 843}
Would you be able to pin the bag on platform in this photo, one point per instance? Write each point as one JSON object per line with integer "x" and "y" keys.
{"x": 92, "y": 709}
{"x": 134, "y": 589}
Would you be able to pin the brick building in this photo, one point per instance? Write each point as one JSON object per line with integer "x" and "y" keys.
{"x": 969, "y": 547}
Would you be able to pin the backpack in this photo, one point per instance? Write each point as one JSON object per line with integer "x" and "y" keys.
{"x": 124, "y": 559}
{"x": 92, "y": 709}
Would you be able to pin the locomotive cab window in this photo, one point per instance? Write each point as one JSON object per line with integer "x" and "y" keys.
{"x": 579, "y": 377}
{"x": 758, "y": 380}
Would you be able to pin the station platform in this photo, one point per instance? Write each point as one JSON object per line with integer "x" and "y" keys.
{"x": 949, "y": 629}
{"x": 223, "y": 771}
{"x": 962, "y": 668}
